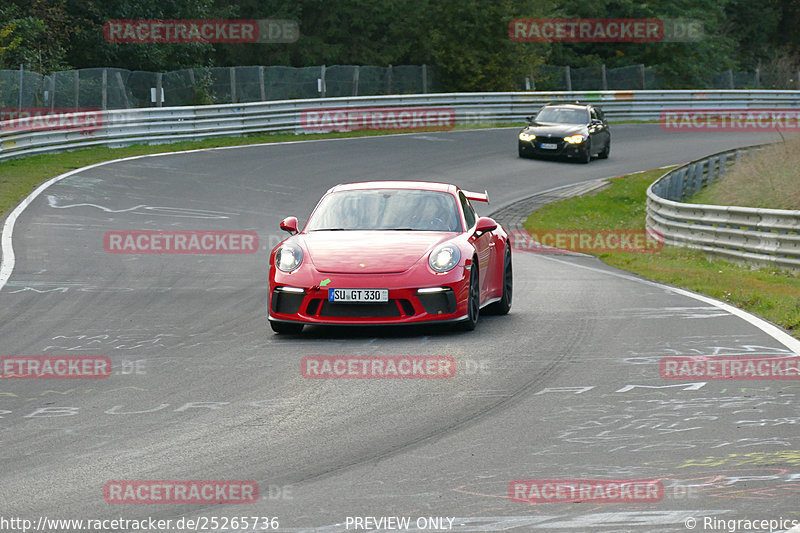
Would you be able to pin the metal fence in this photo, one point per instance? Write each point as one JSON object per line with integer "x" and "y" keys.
{"x": 171, "y": 124}
{"x": 113, "y": 88}
{"x": 745, "y": 234}
{"x": 641, "y": 77}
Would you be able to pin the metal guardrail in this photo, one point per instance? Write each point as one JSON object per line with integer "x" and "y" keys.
{"x": 171, "y": 124}
{"x": 745, "y": 234}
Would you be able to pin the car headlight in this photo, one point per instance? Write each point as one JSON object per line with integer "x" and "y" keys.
{"x": 288, "y": 257}
{"x": 574, "y": 139}
{"x": 444, "y": 258}
{"x": 526, "y": 136}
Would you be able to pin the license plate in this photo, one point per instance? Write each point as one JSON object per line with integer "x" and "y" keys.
{"x": 358, "y": 295}
{"x": 548, "y": 146}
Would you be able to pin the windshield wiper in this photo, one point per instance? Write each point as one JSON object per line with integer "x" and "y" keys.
{"x": 333, "y": 229}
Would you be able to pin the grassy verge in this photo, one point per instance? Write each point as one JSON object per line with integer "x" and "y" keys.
{"x": 766, "y": 179}
{"x": 768, "y": 292}
{"x": 18, "y": 177}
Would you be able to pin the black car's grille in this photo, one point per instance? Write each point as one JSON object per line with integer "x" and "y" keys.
{"x": 558, "y": 141}
{"x": 359, "y": 310}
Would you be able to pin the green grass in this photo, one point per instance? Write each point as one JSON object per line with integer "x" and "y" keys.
{"x": 768, "y": 292}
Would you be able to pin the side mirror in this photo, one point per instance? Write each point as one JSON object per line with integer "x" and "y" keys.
{"x": 289, "y": 224}
{"x": 529, "y": 119}
{"x": 484, "y": 225}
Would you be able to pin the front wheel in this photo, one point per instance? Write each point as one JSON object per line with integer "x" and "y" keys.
{"x": 605, "y": 152}
{"x": 473, "y": 299}
{"x": 502, "y": 306}
{"x": 586, "y": 157}
{"x": 285, "y": 327}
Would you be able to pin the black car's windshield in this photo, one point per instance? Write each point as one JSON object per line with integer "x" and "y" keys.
{"x": 562, "y": 115}
{"x": 386, "y": 209}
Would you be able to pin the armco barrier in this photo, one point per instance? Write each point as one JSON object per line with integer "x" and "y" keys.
{"x": 171, "y": 124}
{"x": 744, "y": 234}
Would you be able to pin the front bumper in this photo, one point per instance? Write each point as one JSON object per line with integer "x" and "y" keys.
{"x": 443, "y": 299}
{"x": 563, "y": 148}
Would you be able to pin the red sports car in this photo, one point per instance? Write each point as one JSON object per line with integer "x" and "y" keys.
{"x": 390, "y": 252}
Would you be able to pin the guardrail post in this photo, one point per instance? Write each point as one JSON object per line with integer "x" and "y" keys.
{"x": 159, "y": 99}
{"x": 76, "y": 86}
{"x": 424, "y": 78}
{"x": 356, "y": 74}
{"x": 389, "y": 80}
{"x": 642, "y": 73}
{"x": 568, "y": 77}
{"x": 603, "y": 80}
{"x": 261, "y": 88}
{"x": 53, "y": 92}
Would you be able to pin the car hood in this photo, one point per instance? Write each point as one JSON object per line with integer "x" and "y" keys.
{"x": 369, "y": 252}
{"x": 559, "y": 130}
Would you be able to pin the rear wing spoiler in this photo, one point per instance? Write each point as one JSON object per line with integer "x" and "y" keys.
{"x": 477, "y": 196}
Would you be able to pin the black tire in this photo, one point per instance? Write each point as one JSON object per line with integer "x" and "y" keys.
{"x": 605, "y": 152}
{"x": 502, "y": 306}
{"x": 289, "y": 328}
{"x": 586, "y": 157}
{"x": 473, "y": 300}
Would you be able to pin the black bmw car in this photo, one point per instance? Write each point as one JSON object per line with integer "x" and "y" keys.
{"x": 572, "y": 131}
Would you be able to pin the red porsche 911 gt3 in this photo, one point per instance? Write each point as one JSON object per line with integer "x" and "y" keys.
{"x": 390, "y": 252}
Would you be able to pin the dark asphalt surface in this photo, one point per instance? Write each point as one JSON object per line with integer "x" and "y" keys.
{"x": 566, "y": 386}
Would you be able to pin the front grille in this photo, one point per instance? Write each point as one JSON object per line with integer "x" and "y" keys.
{"x": 438, "y": 303}
{"x": 286, "y": 302}
{"x": 360, "y": 310}
{"x": 558, "y": 141}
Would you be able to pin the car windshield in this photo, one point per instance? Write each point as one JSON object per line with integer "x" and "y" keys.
{"x": 562, "y": 115}
{"x": 386, "y": 209}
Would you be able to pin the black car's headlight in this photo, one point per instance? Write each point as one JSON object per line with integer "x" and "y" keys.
{"x": 288, "y": 257}
{"x": 444, "y": 258}
{"x": 524, "y": 136}
{"x": 574, "y": 139}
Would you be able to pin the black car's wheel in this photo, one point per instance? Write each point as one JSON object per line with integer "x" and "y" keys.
{"x": 502, "y": 306}
{"x": 473, "y": 300}
{"x": 606, "y": 151}
{"x": 586, "y": 156}
{"x": 285, "y": 327}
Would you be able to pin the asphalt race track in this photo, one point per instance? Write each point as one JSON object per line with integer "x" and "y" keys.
{"x": 566, "y": 386}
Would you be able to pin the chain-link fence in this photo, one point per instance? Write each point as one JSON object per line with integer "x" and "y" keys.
{"x": 111, "y": 88}
{"x": 554, "y": 78}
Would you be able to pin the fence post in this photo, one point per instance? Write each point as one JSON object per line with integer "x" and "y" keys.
{"x": 122, "y": 89}
{"x": 261, "y": 88}
{"x": 424, "y": 78}
{"x": 355, "y": 80}
{"x": 158, "y": 89}
{"x": 321, "y": 84}
{"x": 568, "y": 77}
{"x": 21, "y": 72}
{"x": 758, "y": 77}
{"x": 76, "y": 86}
{"x": 105, "y": 90}
{"x": 642, "y": 74}
{"x": 730, "y": 78}
{"x": 232, "y": 71}
{"x": 389, "y": 80}
{"x": 53, "y": 92}
{"x": 604, "y": 81}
